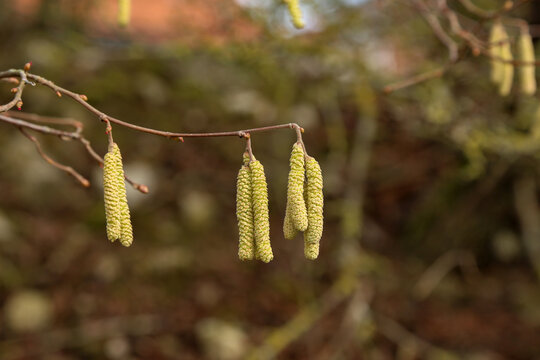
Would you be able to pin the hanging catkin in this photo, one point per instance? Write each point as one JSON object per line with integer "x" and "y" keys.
{"x": 296, "y": 13}
{"x": 507, "y": 76}
{"x": 126, "y": 229}
{"x": 111, "y": 193}
{"x": 315, "y": 202}
{"x": 124, "y": 12}
{"x": 260, "y": 212}
{"x": 527, "y": 79}
{"x": 295, "y": 191}
{"x": 244, "y": 214}
{"x": 496, "y": 35}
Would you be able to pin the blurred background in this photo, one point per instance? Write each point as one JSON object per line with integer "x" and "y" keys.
{"x": 431, "y": 247}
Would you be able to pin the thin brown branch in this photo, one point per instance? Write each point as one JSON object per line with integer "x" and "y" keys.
{"x": 416, "y": 79}
{"x": 39, "y": 128}
{"x": 81, "y": 99}
{"x": 68, "y": 169}
{"x": 490, "y": 14}
{"x": 18, "y": 91}
{"x": 437, "y": 28}
{"x": 455, "y": 26}
{"x": 508, "y": 7}
{"x": 47, "y": 120}
{"x": 65, "y": 135}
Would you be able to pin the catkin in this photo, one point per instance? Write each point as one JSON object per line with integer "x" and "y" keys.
{"x": 260, "y": 212}
{"x": 507, "y": 76}
{"x": 116, "y": 206}
{"x": 111, "y": 194}
{"x": 244, "y": 214}
{"x": 315, "y": 203}
{"x": 295, "y": 190}
{"x": 296, "y": 13}
{"x": 496, "y": 35}
{"x": 527, "y": 79}
{"x": 124, "y": 12}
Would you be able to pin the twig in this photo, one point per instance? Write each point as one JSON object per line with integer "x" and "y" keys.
{"x": 455, "y": 26}
{"x": 68, "y": 169}
{"x": 440, "y": 268}
{"x": 416, "y": 79}
{"x": 82, "y": 99}
{"x": 47, "y": 119}
{"x": 18, "y": 91}
{"x": 438, "y": 30}
{"x": 65, "y": 135}
{"x": 104, "y": 117}
{"x": 400, "y": 335}
{"x": 280, "y": 338}
{"x": 39, "y": 128}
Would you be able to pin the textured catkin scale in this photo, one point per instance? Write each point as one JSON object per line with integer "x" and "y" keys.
{"x": 295, "y": 190}
{"x": 126, "y": 235}
{"x": 296, "y": 13}
{"x": 496, "y": 34}
{"x": 244, "y": 214}
{"x": 260, "y": 212}
{"x": 289, "y": 232}
{"x": 527, "y": 77}
{"x": 127, "y": 230}
{"x": 124, "y": 12}
{"x": 110, "y": 189}
{"x": 315, "y": 203}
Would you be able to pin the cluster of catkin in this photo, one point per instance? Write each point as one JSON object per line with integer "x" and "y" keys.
{"x": 252, "y": 212}
{"x": 304, "y": 210}
{"x": 116, "y": 206}
{"x": 502, "y": 60}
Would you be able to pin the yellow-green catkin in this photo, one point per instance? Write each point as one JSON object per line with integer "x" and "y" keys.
{"x": 244, "y": 214}
{"x": 508, "y": 68}
{"x": 111, "y": 194}
{"x": 260, "y": 212}
{"x": 115, "y": 188}
{"x": 296, "y": 13}
{"x": 124, "y": 12}
{"x": 295, "y": 190}
{"x": 315, "y": 203}
{"x": 496, "y": 35}
{"x": 527, "y": 76}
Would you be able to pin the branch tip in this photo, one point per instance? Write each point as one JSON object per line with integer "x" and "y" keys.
{"x": 142, "y": 188}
